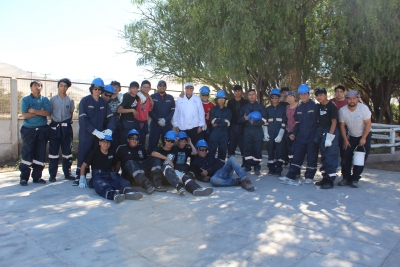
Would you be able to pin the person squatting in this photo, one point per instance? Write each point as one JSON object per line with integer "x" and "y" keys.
{"x": 113, "y": 129}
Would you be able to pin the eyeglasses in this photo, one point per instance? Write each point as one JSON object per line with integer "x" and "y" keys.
{"x": 108, "y": 95}
{"x": 106, "y": 142}
{"x": 134, "y": 138}
{"x": 98, "y": 88}
{"x": 274, "y": 97}
{"x": 204, "y": 95}
{"x": 203, "y": 149}
{"x": 169, "y": 140}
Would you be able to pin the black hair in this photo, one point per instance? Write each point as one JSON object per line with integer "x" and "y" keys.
{"x": 134, "y": 84}
{"x": 146, "y": 82}
{"x": 115, "y": 83}
{"x": 91, "y": 88}
{"x": 340, "y": 87}
{"x": 237, "y": 88}
{"x": 66, "y": 81}
{"x": 33, "y": 82}
{"x": 319, "y": 91}
{"x": 252, "y": 90}
{"x": 285, "y": 89}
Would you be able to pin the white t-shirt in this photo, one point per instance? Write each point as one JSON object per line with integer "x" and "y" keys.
{"x": 355, "y": 119}
{"x": 189, "y": 113}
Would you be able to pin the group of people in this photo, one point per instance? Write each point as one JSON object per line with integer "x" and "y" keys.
{"x": 113, "y": 129}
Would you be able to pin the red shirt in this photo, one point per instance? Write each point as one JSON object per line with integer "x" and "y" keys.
{"x": 339, "y": 104}
{"x": 207, "y": 107}
{"x": 143, "y": 110}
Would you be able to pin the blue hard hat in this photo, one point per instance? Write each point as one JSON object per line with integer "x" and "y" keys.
{"x": 204, "y": 90}
{"x": 109, "y": 88}
{"x": 303, "y": 89}
{"x": 220, "y": 94}
{"x": 275, "y": 91}
{"x": 133, "y": 132}
{"x": 170, "y": 135}
{"x": 201, "y": 143}
{"x": 107, "y": 138}
{"x": 98, "y": 82}
{"x": 255, "y": 116}
{"x": 182, "y": 135}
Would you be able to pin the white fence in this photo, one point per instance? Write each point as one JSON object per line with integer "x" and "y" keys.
{"x": 386, "y": 132}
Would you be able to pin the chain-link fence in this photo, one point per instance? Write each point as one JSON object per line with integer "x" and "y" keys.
{"x": 5, "y": 98}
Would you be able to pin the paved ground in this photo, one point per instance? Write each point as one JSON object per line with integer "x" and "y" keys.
{"x": 277, "y": 225}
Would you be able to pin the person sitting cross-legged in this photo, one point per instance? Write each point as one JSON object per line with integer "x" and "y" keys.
{"x": 105, "y": 181}
{"x": 169, "y": 153}
{"x": 208, "y": 167}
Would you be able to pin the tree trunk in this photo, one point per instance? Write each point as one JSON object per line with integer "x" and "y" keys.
{"x": 294, "y": 80}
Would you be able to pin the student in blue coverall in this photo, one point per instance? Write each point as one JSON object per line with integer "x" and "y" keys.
{"x": 276, "y": 115}
{"x": 95, "y": 122}
{"x": 161, "y": 116}
{"x": 34, "y": 134}
{"x": 220, "y": 117}
{"x": 253, "y": 132}
{"x": 306, "y": 118}
{"x": 61, "y": 134}
{"x": 327, "y": 137}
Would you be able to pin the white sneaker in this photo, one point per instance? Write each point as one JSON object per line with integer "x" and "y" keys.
{"x": 308, "y": 181}
{"x": 283, "y": 178}
{"x": 291, "y": 182}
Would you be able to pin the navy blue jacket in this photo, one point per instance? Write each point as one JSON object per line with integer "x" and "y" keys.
{"x": 306, "y": 118}
{"x": 277, "y": 119}
{"x": 163, "y": 107}
{"x": 220, "y": 115}
{"x": 247, "y": 109}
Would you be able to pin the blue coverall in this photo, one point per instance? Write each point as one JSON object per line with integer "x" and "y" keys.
{"x": 93, "y": 115}
{"x": 219, "y": 135}
{"x": 253, "y": 136}
{"x": 276, "y": 151}
{"x": 164, "y": 107}
{"x": 306, "y": 118}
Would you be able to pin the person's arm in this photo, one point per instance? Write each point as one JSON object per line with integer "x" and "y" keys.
{"x": 84, "y": 121}
{"x": 217, "y": 164}
{"x": 117, "y": 166}
{"x": 201, "y": 116}
{"x": 72, "y": 108}
{"x": 41, "y": 112}
{"x": 367, "y": 129}
{"x": 152, "y": 115}
{"x": 194, "y": 150}
{"x": 83, "y": 168}
{"x": 158, "y": 155}
{"x": 243, "y": 116}
{"x": 176, "y": 116}
{"x": 123, "y": 110}
{"x": 172, "y": 110}
{"x": 109, "y": 118}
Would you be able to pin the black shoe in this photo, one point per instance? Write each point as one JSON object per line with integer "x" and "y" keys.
{"x": 160, "y": 188}
{"x": 203, "y": 191}
{"x": 133, "y": 195}
{"x": 247, "y": 169}
{"x": 75, "y": 183}
{"x": 278, "y": 174}
{"x": 344, "y": 182}
{"x": 354, "y": 184}
{"x": 319, "y": 183}
{"x": 52, "y": 179}
{"x": 23, "y": 183}
{"x": 149, "y": 189}
{"x": 181, "y": 189}
{"x": 69, "y": 177}
{"x": 257, "y": 173}
{"x": 246, "y": 184}
{"x": 327, "y": 185}
{"x": 238, "y": 182}
{"x": 271, "y": 173}
{"x": 118, "y": 198}
{"x": 40, "y": 181}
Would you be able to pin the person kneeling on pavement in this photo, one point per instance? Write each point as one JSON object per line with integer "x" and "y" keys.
{"x": 209, "y": 168}
{"x": 169, "y": 153}
{"x": 105, "y": 181}
{"x": 134, "y": 161}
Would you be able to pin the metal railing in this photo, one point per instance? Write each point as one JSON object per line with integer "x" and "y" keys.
{"x": 388, "y": 133}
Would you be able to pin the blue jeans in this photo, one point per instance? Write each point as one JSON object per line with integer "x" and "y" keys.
{"x": 224, "y": 176}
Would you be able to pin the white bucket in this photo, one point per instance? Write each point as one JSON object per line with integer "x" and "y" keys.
{"x": 359, "y": 157}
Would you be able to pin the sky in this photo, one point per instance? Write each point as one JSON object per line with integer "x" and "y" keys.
{"x": 77, "y": 39}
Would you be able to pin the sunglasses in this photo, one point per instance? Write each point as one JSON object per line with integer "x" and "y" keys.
{"x": 203, "y": 149}
{"x": 274, "y": 97}
{"x": 204, "y": 95}
{"x": 106, "y": 142}
{"x": 169, "y": 140}
{"x": 108, "y": 95}
{"x": 134, "y": 138}
{"x": 98, "y": 88}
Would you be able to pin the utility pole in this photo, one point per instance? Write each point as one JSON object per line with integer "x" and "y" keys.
{"x": 45, "y": 82}
{"x": 31, "y": 73}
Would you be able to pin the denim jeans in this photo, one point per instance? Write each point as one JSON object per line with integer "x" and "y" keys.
{"x": 224, "y": 176}
{"x": 105, "y": 183}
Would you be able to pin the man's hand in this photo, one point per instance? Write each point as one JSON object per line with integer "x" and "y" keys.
{"x": 346, "y": 143}
{"x": 207, "y": 115}
{"x": 177, "y": 129}
{"x": 170, "y": 162}
{"x": 292, "y": 137}
{"x": 251, "y": 122}
{"x": 362, "y": 141}
{"x": 189, "y": 140}
{"x": 32, "y": 111}
{"x": 214, "y": 125}
{"x": 181, "y": 95}
{"x": 199, "y": 129}
{"x": 204, "y": 172}
{"x": 246, "y": 117}
{"x": 206, "y": 179}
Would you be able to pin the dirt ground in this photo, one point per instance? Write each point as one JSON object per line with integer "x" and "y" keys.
{"x": 387, "y": 166}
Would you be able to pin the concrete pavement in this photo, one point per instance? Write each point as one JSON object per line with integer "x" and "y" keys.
{"x": 277, "y": 225}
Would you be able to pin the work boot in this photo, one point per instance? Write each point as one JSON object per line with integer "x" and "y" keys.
{"x": 203, "y": 191}
{"x": 133, "y": 195}
{"x": 69, "y": 176}
{"x": 344, "y": 182}
{"x": 327, "y": 185}
{"x": 53, "y": 179}
{"x": 238, "y": 182}
{"x": 354, "y": 184}
{"x": 246, "y": 184}
{"x": 180, "y": 189}
{"x": 40, "y": 181}
{"x": 319, "y": 183}
{"x": 23, "y": 183}
{"x": 118, "y": 198}
{"x": 160, "y": 188}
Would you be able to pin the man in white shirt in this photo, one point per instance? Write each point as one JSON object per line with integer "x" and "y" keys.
{"x": 189, "y": 114}
{"x": 357, "y": 118}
